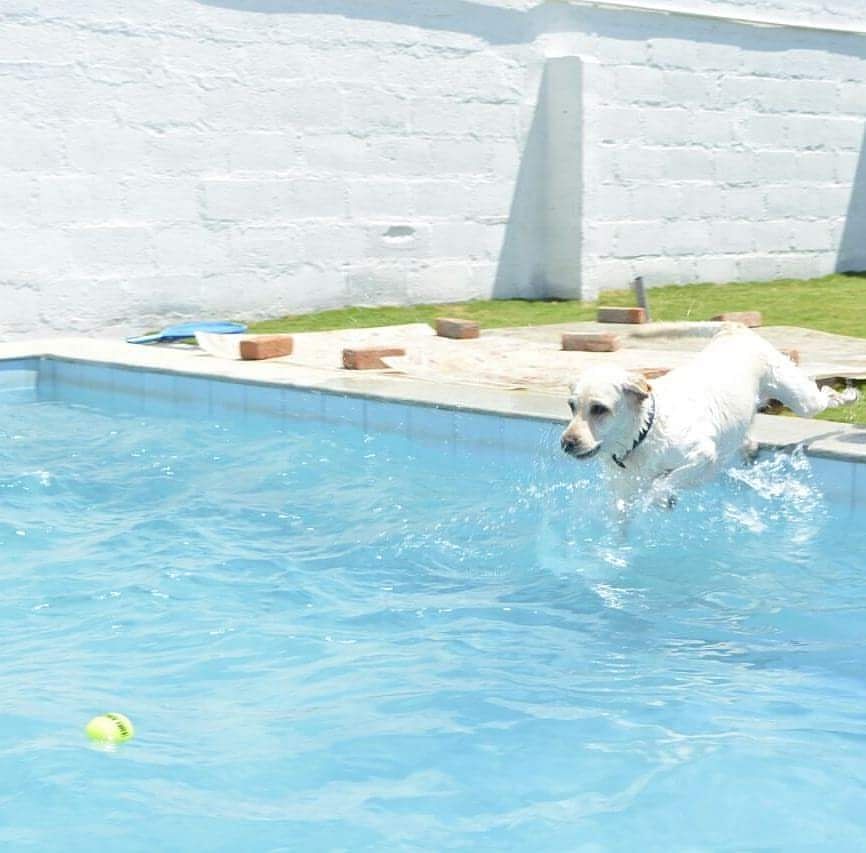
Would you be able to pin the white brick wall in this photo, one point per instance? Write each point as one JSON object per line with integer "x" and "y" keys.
{"x": 161, "y": 160}
{"x": 720, "y": 150}
{"x": 825, "y": 13}
{"x": 164, "y": 160}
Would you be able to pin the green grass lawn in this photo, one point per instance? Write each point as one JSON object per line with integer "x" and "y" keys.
{"x": 835, "y": 303}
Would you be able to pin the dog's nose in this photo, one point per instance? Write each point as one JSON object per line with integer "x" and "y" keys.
{"x": 567, "y": 443}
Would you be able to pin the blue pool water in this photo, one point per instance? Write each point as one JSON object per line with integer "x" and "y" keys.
{"x": 335, "y": 639}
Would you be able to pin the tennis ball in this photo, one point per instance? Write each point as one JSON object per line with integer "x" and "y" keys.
{"x": 110, "y": 728}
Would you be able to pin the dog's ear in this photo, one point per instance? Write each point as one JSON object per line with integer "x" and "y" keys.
{"x": 636, "y": 384}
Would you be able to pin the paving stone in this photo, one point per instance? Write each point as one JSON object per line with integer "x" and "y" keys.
{"x": 447, "y": 327}
{"x": 590, "y": 342}
{"x": 621, "y": 315}
{"x": 266, "y": 346}
{"x": 369, "y": 359}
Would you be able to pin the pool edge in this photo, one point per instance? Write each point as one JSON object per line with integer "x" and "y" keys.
{"x": 824, "y": 439}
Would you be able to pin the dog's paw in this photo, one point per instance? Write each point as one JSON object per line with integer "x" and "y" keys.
{"x": 849, "y": 395}
{"x": 840, "y": 398}
{"x": 662, "y": 498}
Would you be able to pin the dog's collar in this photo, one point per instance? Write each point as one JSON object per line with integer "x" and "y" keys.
{"x": 620, "y": 460}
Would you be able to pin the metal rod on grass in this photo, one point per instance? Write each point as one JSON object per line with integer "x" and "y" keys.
{"x": 640, "y": 292}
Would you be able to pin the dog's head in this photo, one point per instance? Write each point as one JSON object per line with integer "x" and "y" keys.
{"x": 605, "y": 406}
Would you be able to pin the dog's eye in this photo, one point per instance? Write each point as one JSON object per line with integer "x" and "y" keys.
{"x": 597, "y": 410}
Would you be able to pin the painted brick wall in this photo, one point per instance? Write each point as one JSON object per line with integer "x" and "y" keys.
{"x": 717, "y": 151}
{"x": 171, "y": 159}
{"x": 823, "y": 13}
{"x": 245, "y": 158}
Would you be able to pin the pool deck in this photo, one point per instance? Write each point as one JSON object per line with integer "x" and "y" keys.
{"x": 819, "y": 438}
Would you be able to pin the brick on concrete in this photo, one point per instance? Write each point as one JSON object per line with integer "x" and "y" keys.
{"x": 590, "y": 342}
{"x": 447, "y": 327}
{"x": 621, "y": 315}
{"x": 266, "y": 346}
{"x": 369, "y": 359}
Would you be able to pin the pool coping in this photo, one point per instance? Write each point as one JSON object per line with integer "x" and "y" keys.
{"x": 819, "y": 438}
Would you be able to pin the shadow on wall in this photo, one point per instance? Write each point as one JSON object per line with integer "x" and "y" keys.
{"x": 852, "y": 249}
{"x": 494, "y": 24}
{"x": 520, "y": 271}
{"x": 541, "y": 252}
{"x": 498, "y": 25}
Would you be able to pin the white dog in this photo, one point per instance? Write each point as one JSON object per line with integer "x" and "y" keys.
{"x": 693, "y": 421}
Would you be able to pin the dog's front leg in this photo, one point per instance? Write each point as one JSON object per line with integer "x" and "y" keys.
{"x": 698, "y": 467}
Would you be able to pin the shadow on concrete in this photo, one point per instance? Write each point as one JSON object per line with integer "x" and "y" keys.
{"x": 852, "y": 248}
{"x": 853, "y": 437}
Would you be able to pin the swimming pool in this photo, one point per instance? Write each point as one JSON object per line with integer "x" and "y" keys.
{"x": 348, "y": 624}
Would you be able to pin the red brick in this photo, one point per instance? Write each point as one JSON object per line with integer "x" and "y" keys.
{"x": 461, "y": 329}
{"x": 590, "y": 342}
{"x": 266, "y": 346}
{"x": 752, "y": 319}
{"x": 621, "y": 315}
{"x": 368, "y": 359}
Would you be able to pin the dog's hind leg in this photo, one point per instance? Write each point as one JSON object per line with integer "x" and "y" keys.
{"x": 785, "y": 382}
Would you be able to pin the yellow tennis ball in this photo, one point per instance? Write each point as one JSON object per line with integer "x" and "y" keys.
{"x": 110, "y": 728}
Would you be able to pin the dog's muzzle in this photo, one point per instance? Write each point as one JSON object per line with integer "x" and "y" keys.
{"x": 573, "y": 448}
